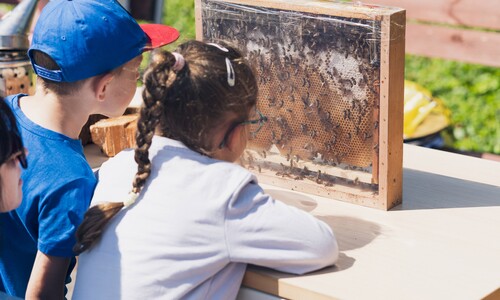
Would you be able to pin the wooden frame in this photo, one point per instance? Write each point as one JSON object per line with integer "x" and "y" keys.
{"x": 344, "y": 178}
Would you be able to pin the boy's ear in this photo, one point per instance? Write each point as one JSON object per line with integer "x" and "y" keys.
{"x": 101, "y": 85}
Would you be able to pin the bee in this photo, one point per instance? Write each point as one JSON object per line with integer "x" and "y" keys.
{"x": 272, "y": 101}
{"x": 322, "y": 79}
{"x": 303, "y": 128}
{"x": 367, "y": 136}
{"x": 318, "y": 177}
{"x": 309, "y": 147}
{"x": 281, "y": 103}
{"x": 346, "y": 83}
{"x": 305, "y": 99}
{"x": 284, "y": 171}
{"x": 262, "y": 80}
{"x": 347, "y": 114}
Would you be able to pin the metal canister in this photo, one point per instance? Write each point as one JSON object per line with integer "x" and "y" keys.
{"x": 16, "y": 73}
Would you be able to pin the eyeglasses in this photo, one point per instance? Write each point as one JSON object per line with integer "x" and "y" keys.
{"x": 21, "y": 157}
{"x": 255, "y": 127}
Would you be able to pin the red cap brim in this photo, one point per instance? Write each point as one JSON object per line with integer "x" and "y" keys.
{"x": 159, "y": 35}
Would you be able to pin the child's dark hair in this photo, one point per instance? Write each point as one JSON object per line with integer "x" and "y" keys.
{"x": 184, "y": 103}
{"x": 10, "y": 138}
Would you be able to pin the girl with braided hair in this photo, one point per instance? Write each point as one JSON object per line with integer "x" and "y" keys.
{"x": 193, "y": 219}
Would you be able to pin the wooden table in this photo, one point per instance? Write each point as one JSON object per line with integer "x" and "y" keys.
{"x": 443, "y": 242}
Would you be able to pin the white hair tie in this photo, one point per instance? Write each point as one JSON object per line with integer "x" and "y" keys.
{"x": 131, "y": 199}
{"x": 219, "y": 46}
{"x": 230, "y": 72}
{"x": 179, "y": 62}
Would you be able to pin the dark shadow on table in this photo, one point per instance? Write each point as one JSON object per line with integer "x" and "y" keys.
{"x": 301, "y": 201}
{"x": 422, "y": 190}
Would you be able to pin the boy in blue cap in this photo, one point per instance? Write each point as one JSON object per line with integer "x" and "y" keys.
{"x": 86, "y": 55}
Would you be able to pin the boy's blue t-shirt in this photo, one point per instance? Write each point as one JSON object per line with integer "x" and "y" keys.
{"x": 57, "y": 187}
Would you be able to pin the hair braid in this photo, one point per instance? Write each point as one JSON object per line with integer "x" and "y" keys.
{"x": 154, "y": 94}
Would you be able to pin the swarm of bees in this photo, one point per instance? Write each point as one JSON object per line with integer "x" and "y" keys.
{"x": 319, "y": 82}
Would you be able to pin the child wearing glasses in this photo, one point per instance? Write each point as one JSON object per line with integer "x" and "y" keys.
{"x": 187, "y": 220}
{"x": 12, "y": 158}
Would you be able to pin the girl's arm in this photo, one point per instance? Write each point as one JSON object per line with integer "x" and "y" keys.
{"x": 269, "y": 233}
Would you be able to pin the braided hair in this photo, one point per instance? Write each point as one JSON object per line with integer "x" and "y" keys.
{"x": 184, "y": 101}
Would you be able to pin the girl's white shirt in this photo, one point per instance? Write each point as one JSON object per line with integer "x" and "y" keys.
{"x": 196, "y": 225}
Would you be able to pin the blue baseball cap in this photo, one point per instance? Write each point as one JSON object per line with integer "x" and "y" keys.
{"x": 90, "y": 37}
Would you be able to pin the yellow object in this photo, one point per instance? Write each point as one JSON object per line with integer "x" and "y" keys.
{"x": 423, "y": 114}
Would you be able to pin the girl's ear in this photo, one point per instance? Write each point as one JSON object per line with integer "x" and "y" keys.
{"x": 235, "y": 145}
{"x": 235, "y": 139}
{"x": 101, "y": 84}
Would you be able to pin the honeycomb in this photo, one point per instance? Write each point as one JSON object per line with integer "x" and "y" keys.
{"x": 319, "y": 84}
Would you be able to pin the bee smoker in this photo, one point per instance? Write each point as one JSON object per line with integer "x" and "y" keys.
{"x": 16, "y": 73}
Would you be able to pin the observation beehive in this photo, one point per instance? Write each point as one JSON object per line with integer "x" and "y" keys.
{"x": 331, "y": 84}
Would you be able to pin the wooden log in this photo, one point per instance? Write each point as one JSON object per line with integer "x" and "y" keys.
{"x": 115, "y": 134}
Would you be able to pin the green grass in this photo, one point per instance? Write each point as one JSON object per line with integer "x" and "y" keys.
{"x": 471, "y": 92}
{"x": 180, "y": 14}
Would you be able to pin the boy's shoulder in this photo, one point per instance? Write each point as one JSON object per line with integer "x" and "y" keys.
{"x": 12, "y": 100}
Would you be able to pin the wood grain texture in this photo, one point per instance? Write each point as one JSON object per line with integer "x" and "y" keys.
{"x": 391, "y": 110}
{"x": 456, "y": 44}
{"x": 115, "y": 134}
{"x": 473, "y": 13}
